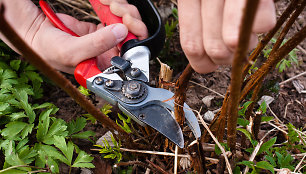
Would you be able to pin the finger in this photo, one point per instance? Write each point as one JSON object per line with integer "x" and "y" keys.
{"x": 121, "y": 9}
{"x": 79, "y": 27}
{"x": 103, "y": 61}
{"x": 233, "y": 11}
{"x": 135, "y": 26}
{"x": 191, "y": 36}
{"x": 265, "y": 18}
{"x": 108, "y": 2}
{"x": 96, "y": 43}
{"x": 212, "y": 19}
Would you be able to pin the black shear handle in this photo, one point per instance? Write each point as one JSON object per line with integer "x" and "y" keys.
{"x": 156, "y": 29}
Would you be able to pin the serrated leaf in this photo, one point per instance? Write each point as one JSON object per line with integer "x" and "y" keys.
{"x": 27, "y": 155}
{"x": 76, "y": 126}
{"x": 14, "y": 160}
{"x": 57, "y": 128}
{"x": 265, "y": 165}
{"x": 66, "y": 149}
{"x": 15, "y": 64}
{"x": 22, "y": 97}
{"x": 267, "y": 145}
{"x": 51, "y": 152}
{"x": 27, "y": 130}
{"x": 3, "y": 106}
{"x": 83, "y": 135}
{"x": 13, "y": 129}
{"x": 271, "y": 160}
{"x": 32, "y": 75}
{"x": 83, "y": 160}
{"x": 43, "y": 125}
{"x": 17, "y": 115}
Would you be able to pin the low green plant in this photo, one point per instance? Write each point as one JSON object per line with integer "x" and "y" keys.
{"x": 109, "y": 151}
{"x": 287, "y": 61}
{"x": 32, "y": 138}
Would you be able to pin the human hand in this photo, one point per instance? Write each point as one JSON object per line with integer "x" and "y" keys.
{"x": 209, "y": 30}
{"x": 65, "y": 52}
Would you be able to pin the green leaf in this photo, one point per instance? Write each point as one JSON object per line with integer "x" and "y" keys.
{"x": 106, "y": 109}
{"x": 243, "y": 122}
{"x": 76, "y": 126}
{"x": 246, "y": 163}
{"x": 267, "y": 145}
{"x": 84, "y": 91}
{"x": 83, "y": 160}
{"x": 15, "y": 64}
{"x": 263, "y": 107}
{"x": 27, "y": 130}
{"x": 243, "y": 109}
{"x": 14, "y": 160}
{"x": 90, "y": 118}
{"x": 13, "y": 129}
{"x": 57, "y": 128}
{"x": 67, "y": 149}
{"x": 22, "y": 97}
{"x": 83, "y": 135}
{"x": 17, "y": 115}
{"x": 43, "y": 125}
{"x": 3, "y": 106}
{"x": 32, "y": 75}
{"x": 265, "y": 165}
{"x": 266, "y": 118}
{"x": 246, "y": 133}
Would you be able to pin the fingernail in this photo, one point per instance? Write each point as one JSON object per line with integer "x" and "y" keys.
{"x": 120, "y": 31}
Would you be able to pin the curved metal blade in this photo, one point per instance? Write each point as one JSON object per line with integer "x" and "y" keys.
{"x": 164, "y": 97}
{"x": 159, "y": 118}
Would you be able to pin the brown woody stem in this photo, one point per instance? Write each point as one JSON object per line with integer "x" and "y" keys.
{"x": 261, "y": 45}
{"x": 180, "y": 94}
{"x": 239, "y": 62}
{"x": 272, "y": 61}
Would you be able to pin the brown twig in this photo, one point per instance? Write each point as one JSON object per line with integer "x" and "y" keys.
{"x": 287, "y": 27}
{"x": 56, "y": 76}
{"x": 161, "y": 170}
{"x": 238, "y": 63}
{"x": 139, "y": 163}
{"x": 180, "y": 94}
{"x": 261, "y": 45}
{"x": 272, "y": 61}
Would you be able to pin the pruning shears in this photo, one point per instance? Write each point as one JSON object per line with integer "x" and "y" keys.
{"x": 146, "y": 105}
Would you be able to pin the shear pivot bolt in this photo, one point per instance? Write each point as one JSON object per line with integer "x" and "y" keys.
{"x": 99, "y": 80}
{"x": 109, "y": 83}
{"x": 133, "y": 90}
{"x": 135, "y": 72}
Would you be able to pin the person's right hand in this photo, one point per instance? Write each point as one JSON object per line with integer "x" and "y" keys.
{"x": 209, "y": 30}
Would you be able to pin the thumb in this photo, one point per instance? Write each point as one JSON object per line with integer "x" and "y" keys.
{"x": 96, "y": 43}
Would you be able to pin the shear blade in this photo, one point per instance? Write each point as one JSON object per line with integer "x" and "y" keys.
{"x": 160, "y": 118}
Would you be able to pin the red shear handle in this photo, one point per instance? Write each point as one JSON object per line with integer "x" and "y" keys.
{"x": 85, "y": 69}
{"x": 108, "y": 18}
